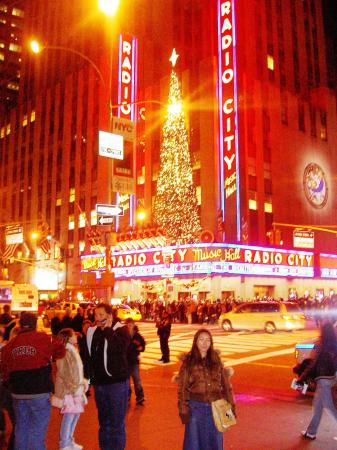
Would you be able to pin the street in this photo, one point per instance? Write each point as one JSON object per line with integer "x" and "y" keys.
{"x": 270, "y": 414}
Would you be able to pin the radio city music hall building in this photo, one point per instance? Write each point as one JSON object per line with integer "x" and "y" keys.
{"x": 260, "y": 119}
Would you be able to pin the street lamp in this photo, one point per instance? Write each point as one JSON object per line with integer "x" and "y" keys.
{"x": 108, "y": 7}
{"x": 37, "y": 48}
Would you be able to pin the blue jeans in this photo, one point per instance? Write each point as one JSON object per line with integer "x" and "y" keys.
{"x": 200, "y": 432}
{"x": 112, "y": 402}
{"x": 32, "y": 420}
{"x": 137, "y": 383}
{"x": 323, "y": 399}
{"x": 68, "y": 425}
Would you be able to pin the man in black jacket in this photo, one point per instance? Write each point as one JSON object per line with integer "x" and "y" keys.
{"x": 109, "y": 375}
{"x": 164, "y": 331}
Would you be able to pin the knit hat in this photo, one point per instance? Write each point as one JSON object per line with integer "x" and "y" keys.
{"x": 28, "y": 320}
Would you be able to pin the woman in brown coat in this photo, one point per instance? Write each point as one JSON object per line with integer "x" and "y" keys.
{"x": 202, "y": 379}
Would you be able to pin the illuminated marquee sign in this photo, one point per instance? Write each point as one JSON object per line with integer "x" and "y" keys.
{"x": 127, "y": 76}
{"x": 227, "y": 99}
{"x": 208, "y": 258}
{"x": 328, "y": 265}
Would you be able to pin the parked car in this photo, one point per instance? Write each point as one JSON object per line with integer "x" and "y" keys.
{"x": 125, "y": 312}
{"x": 268, "y": 316}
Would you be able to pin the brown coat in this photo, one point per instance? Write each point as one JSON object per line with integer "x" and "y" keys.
{"x": 69, "y": 379}
{"x": 202, "y": 384}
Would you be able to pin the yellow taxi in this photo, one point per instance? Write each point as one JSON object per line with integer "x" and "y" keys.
{"x": 125, "y": 312}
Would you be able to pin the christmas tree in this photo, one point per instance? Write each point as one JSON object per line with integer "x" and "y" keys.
{"x": 176, "y": 207}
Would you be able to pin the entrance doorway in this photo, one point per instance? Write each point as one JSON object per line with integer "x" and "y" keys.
{"x": 263, "y": 291}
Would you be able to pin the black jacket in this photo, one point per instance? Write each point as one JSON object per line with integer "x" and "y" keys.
{"x": 324, "y": 365}
{"x": 117, "y": 366}
{"x": 137, "y": 345}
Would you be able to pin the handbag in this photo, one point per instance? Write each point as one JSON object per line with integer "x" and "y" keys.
{"x": 72, "y": 404}
{"x": 222, "y": 414}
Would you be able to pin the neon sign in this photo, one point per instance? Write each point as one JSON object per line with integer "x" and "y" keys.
{"x": 208, "y": 258}
{"x": 328, "y": 265}
{"x": 228, "y": 133}
{"x": 127, "y": 76}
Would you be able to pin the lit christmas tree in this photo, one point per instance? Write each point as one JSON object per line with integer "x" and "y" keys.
{"x": 176, "y": 207}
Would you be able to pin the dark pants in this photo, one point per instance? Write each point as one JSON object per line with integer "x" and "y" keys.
{"x": 164, "y": 347}
{"x": 112, "y": 402}
{"x": 137, "y": 383}
{"x": 6, "y": 403}
{"x": 32, "y": 420}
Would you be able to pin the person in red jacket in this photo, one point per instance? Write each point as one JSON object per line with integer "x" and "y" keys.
{"x": 26, "y": 366}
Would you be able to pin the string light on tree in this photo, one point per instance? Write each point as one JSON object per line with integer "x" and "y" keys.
{"x": 176, "y": 206}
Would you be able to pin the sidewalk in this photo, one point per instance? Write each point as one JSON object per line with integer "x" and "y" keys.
{"x": 265, "y": 421}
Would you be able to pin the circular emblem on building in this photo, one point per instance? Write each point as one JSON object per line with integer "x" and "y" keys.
{"x": 315, "y": 186}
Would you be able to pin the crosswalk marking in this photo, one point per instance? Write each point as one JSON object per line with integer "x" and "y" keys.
{"x": 232, "y": 344}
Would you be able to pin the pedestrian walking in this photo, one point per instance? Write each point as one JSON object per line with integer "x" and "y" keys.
{"x": 323, "y": 370}
{"x": 202, "y": 379}
{"x": 26, "y": 365}
{"x": 137, "y": 345}
{"x": 70, "y": 388}
{"x": 164, "y": 330}
{"x": 109, "y": 375}
{"x": 6, "y": 404}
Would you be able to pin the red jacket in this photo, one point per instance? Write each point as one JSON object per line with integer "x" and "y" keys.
{"x": 26, "y": 362}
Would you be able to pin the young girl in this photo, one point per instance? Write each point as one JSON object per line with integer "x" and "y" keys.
{"x": 70, "y": 388}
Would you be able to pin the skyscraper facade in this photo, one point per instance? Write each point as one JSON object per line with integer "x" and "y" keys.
{"x": 259, "y": 113}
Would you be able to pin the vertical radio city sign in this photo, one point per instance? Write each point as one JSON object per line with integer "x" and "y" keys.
{"x": 127, "y": 76}
{"x": 228, "y": 138}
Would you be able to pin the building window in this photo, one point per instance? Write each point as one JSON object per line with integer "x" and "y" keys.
{"x": 71, "y": 195}
{"x": 24, "y": 120}
{"x": 270, "y": 62}
{"x": 71, "y": 224}
{"x": 252, "y": 202}
{"x": 82, "y": 220}
{"x": 313, "y": 129}
{"x": 324, "y": 131}
{"x": 2, "y": 56}
{"x": 15, "y": 47}
{"x": 32, "y": 116}
{"x": 301, "y": 118}
{"x": 93, "y": 217}
{"x": 18, "y": 12}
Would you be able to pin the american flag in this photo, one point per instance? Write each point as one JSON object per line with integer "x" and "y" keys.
{"x": 9, "y": 251}
{"x": 45, "y": 246}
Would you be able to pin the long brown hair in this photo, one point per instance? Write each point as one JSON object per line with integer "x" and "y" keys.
{"x": 65, "y": 334}
{"x": 212, "y": 358}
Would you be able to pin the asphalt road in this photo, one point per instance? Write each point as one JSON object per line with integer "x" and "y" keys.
{"x": 270, "y": 414}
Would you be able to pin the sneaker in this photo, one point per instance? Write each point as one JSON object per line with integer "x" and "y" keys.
{"x": 68, "y": 447}
{"x": 76, "y": 446}
{"x": 309, "y": 436}
{"x": 166, "y": 361}
{"x": 159, "y": 361}
{"x": 140, "y": 401}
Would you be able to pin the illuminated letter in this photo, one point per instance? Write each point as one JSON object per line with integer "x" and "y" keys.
{"x": 226, "y": 25}
{"x": 248, "y": 256}
{"x": 228, "y": 140}
{"x": 229, "y": 161}
{"x": 182, "y": 253}
{"x": 126, "y": 47}
{"x": 126, "y": 77}
{"x": 225, "y": 8}
{"x": 126, "y": 63}
{"x": 126, "y": 108}
{"x": 226, "y": 41}
{"x": 156, "y": 259}
{"x": 227, "y": 76}
{"x": 226, "y": 109}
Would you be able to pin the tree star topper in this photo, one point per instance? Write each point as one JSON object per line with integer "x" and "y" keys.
{"x": 174, "y": 57}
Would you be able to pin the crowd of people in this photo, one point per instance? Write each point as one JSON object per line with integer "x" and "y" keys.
{"x": 39, "y": 371}
{"x": 103, "y": 350}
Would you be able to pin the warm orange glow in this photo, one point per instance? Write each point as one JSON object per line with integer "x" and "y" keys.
{"x": 35, "y": 47}
{"x": 34, "y": 235}
{"x": 141, "y": 216}
{"x": 108, "y": 7}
